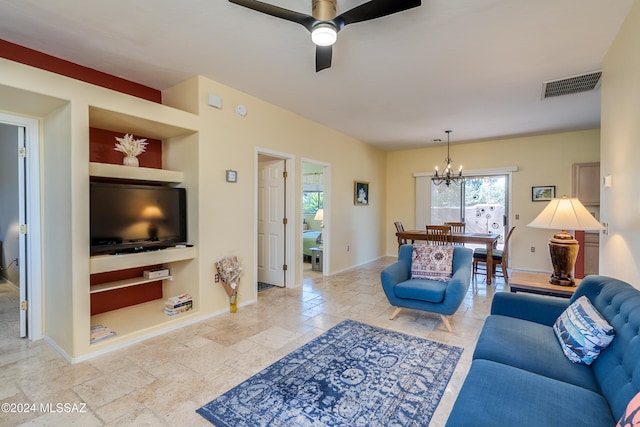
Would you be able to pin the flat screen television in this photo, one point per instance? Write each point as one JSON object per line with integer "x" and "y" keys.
{"x": 128, "y": 218}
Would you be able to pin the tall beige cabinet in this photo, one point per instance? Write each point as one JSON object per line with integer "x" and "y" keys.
{"x": 586, "y": 187}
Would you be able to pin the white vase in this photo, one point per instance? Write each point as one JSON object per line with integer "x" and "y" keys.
{"x": 130, "y": 161}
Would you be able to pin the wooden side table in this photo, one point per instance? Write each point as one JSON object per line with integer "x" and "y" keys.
{"x": 538, "y": 283}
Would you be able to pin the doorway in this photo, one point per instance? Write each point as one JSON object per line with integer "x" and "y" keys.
{"x": 20, "y": 220}
{"x": 273, "y": 210}
{"x": 315, "y": 216}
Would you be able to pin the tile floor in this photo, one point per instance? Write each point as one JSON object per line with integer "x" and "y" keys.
{"x": 163, "y": 380}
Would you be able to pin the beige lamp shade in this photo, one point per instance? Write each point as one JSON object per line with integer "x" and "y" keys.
{"x": 564, "y": 214}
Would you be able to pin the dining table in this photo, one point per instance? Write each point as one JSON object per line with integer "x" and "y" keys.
{"x": 490, "y": 240}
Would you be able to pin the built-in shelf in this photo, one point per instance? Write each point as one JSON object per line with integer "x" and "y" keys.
{"x": 178, "y": 132}
{"x": 105, "y": 263}
{"x": 120, "y": 122}
{"x": 103, "y": 287}
{"x": 106, "y": 170}
{"x": 137, "y": 321}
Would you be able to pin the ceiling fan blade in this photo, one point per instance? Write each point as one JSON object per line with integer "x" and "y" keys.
{"x": 374, "y": 9}
{"x": 323, "y": 57}
{"x": 306, "y": 21}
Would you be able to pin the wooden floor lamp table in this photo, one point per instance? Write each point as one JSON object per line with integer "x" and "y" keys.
{"x": 538, "y": 283}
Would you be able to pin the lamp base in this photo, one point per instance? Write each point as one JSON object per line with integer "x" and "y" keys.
{"x": 561, "y": 281}
{"x": 563, "y": 249}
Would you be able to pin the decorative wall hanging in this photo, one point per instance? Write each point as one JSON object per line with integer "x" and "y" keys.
{"x": 543, "y": 194}
{"x": 361, "y": 194}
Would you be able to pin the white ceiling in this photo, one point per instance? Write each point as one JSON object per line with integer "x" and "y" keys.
{"x": 473, "y": 66}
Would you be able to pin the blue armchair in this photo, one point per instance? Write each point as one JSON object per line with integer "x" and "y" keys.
{"x": 434, "y": 296}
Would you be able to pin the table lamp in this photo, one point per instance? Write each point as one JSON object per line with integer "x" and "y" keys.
{"x": 564, "y": 214}
{"x": 320, "y": 217}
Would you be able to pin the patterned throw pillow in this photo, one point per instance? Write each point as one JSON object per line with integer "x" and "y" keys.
{"x": 631, "y": 416}
{"x": 433, "y": 262}
{"x": 583, "y": 332}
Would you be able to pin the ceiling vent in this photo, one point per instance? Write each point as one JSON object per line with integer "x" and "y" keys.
{"x": 568, "y": 85}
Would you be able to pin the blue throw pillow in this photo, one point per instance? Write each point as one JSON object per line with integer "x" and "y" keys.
{"x": 583, "y": 332}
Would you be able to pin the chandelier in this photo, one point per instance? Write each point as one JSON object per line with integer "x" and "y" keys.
{"x": 447, "y": 176}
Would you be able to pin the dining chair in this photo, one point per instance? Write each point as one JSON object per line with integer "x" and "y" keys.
{"x": 457, "y": 227}
{"x": 400, "y": 229}
{"x": 439, "y": 235}
{"x": 500, "y": 257}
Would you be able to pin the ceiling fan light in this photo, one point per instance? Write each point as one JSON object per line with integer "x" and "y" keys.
{"x": 324, "y": 35}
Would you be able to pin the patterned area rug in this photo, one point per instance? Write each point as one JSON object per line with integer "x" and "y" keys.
{"x": 352, "y": 375}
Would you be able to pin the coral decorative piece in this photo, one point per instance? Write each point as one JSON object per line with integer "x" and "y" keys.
{"x": 132, "y": 148}
{"x": 229, "y": 270}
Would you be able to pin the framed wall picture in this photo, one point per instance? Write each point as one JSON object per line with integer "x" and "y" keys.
{"x": 361, "y": 194}
{"x": 543, "y": 194}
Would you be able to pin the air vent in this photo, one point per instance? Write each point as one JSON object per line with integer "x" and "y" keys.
{"x": 569, "y": 85}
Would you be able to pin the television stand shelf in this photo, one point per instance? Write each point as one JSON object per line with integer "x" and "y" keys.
{"x": 106, "y": 170}
{"x": 103, "y": 287}
{"x": 105, "y": 263}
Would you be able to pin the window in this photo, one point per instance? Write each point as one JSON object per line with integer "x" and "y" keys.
{"x": 312, "y": 201}
{"x": 481, "y": 202}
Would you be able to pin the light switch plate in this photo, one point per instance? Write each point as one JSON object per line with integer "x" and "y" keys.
{"x": 232, "y": 176}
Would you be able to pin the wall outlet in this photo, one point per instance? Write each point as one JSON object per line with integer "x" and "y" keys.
{"x": 216, "y": 278}
{"x": 347, "y": 248}
{"x": 533, "y": 248}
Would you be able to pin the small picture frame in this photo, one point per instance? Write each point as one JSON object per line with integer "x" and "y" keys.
{"x": 232, "y": 176}
{"x": 361, "y": 194}
{"x": 543, "y": 193}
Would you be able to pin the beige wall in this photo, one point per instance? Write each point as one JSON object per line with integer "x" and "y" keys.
{"x": 621, "y": 152}
{"x": 541, "y": 160}
{"x": 229, "y": 141}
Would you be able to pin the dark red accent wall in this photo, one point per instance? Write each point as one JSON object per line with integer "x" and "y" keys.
{"x": 101, "y": 150}
{"x": 124, "y": 297}
{"x": 102, "y": 143}
{"x": 31, "y": 57}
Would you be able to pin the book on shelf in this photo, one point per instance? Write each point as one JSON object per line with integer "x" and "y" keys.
{"x": 178, "y": 304}
{"x": 178, "y": 299}
{"x": 178, "y": 310}
{"x": 168, "y": 305}
{"x": 101, "y": 332}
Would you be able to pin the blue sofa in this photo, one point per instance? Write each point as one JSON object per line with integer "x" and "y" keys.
{"x": 520, "y": 376}
{"x": 434, "y": 296}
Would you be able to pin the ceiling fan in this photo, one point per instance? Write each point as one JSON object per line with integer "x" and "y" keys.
{"x": 324, "y": 25}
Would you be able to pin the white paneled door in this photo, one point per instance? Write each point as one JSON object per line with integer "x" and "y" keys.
{"x": 271, "y": 227}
